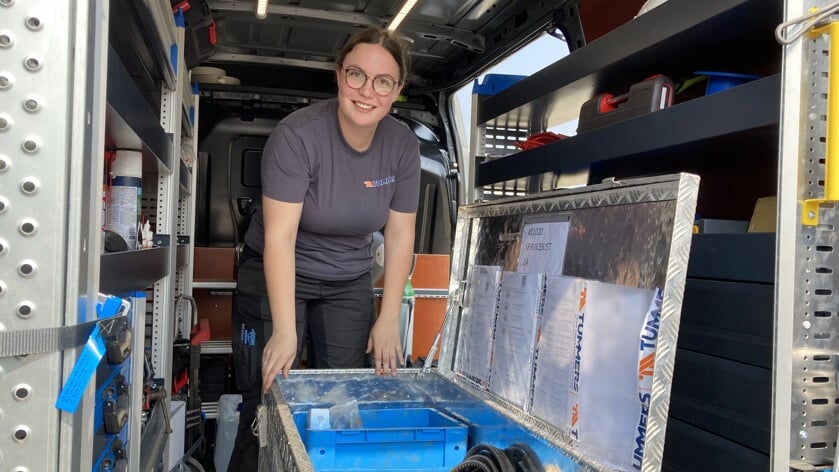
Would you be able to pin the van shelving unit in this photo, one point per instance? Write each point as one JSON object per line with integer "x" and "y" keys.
{"x": 753, "y": 302}
{"x": 89, "y": 102}
{"x": 752, "y": 107}
{"x": 686, "y": 33}
{"x": 676, "y": 39}
{"x": 162, "y": 136}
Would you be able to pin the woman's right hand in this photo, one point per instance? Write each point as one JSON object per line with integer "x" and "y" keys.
{"x": 278, "y": 356}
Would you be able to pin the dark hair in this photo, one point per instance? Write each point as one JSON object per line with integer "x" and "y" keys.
{"x": 389, "y": 40}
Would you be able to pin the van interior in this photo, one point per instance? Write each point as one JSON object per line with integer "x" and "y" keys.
{"x": 250, "y": 71}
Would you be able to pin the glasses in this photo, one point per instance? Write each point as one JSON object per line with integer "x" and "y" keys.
{"x": 382, "y": 84}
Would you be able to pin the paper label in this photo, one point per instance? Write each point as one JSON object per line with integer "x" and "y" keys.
{"x": 543, "y": 248}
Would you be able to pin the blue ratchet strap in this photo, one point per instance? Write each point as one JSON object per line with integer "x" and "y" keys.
{"x": 94, "y": 350}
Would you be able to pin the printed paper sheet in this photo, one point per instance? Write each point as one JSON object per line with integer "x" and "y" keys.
{"x": 519, "y": 304}
{"x": 476, "y": 335}
{"x": 556, "y": 382}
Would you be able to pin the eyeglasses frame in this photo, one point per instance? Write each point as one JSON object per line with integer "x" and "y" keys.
{"x": 371, "y": 79}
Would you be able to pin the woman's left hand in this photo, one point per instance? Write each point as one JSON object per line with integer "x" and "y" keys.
{"x": 386, "y": 346}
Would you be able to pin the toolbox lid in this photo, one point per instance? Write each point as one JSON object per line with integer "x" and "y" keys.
{"x": 564, "y": 309}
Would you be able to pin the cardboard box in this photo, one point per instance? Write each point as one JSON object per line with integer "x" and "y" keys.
{"x": 765, "y": 215}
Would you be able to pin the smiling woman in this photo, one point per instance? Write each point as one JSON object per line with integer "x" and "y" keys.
{"x": 362, "y": 107}
{"x": 333, "y": 174}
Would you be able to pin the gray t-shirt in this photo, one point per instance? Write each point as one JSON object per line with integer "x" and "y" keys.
{"x": 346, "y": 194}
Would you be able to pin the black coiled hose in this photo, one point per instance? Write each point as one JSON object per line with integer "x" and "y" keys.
{"x": 523, "y": 458}
{"x": 487, "y": 458}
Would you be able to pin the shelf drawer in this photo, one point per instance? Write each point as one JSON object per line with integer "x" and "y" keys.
{"x": 748, "y": 257}
{"x": 730, "y": 399}
{"x": 732, "y": 320}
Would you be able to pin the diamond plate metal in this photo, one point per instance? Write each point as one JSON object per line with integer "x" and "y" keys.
{"x": 670, "y": 200}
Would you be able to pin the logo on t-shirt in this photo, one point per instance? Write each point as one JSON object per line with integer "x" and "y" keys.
{"x": 379, "y": 183}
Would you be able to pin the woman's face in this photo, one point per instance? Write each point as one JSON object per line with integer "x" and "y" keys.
{"x": 363, "y": 107}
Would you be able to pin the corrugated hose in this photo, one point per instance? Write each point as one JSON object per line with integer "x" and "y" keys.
{"x": 488, "y": 458}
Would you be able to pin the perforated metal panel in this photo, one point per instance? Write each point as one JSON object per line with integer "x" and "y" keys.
{"x": 815, "y": 398}
{"x": 163, "y": 323}
{"x": 51, "y": 65}
{"x": 806, "y": 398}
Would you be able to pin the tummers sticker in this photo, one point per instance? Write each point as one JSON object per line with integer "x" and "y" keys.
{"x": 646, "y": 364}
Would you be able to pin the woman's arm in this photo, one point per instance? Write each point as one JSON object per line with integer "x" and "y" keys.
{"x": 281, "y": 220}
{"x": 399, "y": 252}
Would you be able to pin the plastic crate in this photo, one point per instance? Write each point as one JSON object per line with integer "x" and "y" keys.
{"x": 397, "y": 439}
{"x": 495, "y": 83}
{"x": 487, "y": 426}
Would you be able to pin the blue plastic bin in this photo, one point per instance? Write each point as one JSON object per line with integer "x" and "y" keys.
{"x": 391, "y": 440}
{"x": 495, "y": 83}
{"x": 487, "y": 426}
{"x": 719, "y": 81}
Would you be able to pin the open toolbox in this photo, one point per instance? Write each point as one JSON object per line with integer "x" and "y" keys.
{"x": 557, "y": 348}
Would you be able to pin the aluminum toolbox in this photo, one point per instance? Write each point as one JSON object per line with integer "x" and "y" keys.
{"x": 580, "y": 369}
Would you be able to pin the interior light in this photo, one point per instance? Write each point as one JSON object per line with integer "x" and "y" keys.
{"x": 262, "y": 9}
{"x": 403, "y": 12}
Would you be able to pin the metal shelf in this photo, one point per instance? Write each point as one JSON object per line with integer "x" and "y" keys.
{"x": 216, "y": 347}
{"x": 146, "y": 31}
{"x": 131, "y": 271}
{"x": 676, "y": 38}
{"x": 210, "y": 410}
{"x": 737, "y": 111}
{"x": 131, "y": 124}
{"x": 215, "y": 284}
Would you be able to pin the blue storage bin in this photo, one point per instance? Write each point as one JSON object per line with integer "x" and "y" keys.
{"x": 719, "y": 81}
{"x": 486, "y": 426}
{"x": 495, "y": 83}
{"x": 396, "y": 439}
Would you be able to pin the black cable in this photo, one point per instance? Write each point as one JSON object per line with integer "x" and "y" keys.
{"x": 485, "y": 458}
{"x": 523, "y": 458}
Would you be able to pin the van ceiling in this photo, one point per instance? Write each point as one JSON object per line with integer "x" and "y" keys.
{"x": 450, "y": 40}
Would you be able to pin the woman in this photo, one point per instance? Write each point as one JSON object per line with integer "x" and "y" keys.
{"x": 332, "y": 174}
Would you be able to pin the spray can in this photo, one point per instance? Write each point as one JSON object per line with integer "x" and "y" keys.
{"x": 124, "y": 199}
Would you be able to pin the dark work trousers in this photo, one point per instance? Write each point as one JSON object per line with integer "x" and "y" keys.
{"x": 338, "y": 317}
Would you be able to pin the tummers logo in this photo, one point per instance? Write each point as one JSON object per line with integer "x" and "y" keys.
{"x": 578, "y": 344}
{"x": 646, "y": 363}
{"x": 641, "y": 431}
{"x": 573, "y": 427}
{"x": 649, "y": 339}
{"x": 574, "y": 430}
{"x": 379, "y": 183}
